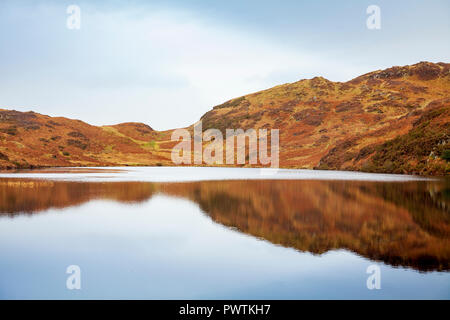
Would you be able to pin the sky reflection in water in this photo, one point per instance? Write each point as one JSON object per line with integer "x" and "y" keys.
{"x": 273, "y": 239}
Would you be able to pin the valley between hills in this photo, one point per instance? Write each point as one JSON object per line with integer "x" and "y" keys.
{"x": 395, "y": 120}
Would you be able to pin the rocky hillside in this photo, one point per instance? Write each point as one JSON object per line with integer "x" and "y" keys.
{"x": 395, "y": 120}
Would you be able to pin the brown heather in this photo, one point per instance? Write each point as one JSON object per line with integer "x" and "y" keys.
{"x": 395, "y": 121}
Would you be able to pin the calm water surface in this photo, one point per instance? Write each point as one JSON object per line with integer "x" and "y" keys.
{"x": 217, "y": 233}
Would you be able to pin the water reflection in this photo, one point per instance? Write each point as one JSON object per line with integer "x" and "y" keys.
{"x": 401, "y": 223}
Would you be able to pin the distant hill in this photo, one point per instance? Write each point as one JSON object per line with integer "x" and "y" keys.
{"x": 395, "y": 120}
{"x": 29, "y": 139}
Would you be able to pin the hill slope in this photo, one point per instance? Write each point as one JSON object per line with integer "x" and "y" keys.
{"x": 29, "y": 139}
{"x": 393, "y": 120}
{"x": 333, "y": 125}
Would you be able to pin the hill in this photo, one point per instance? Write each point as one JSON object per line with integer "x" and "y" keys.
{"x": 29, "y": 139}
{"x": 395, "y": 120}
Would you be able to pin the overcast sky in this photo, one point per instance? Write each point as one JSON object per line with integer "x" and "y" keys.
{"x": 165, "y": 63}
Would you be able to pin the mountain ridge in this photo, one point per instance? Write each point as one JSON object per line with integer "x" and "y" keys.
{"x": 394, "y": 120}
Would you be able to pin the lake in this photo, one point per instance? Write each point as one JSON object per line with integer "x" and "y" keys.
{"x": 222, "y": 233}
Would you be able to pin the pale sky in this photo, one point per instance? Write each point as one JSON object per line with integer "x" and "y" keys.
{"x": 166, "y": 63}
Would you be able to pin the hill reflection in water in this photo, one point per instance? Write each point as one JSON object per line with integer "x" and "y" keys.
{"x": 400, "y": 223}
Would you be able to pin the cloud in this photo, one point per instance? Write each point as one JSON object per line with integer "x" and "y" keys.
{"x": 165, "y": 64}
{"x": 164, "y": 67}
